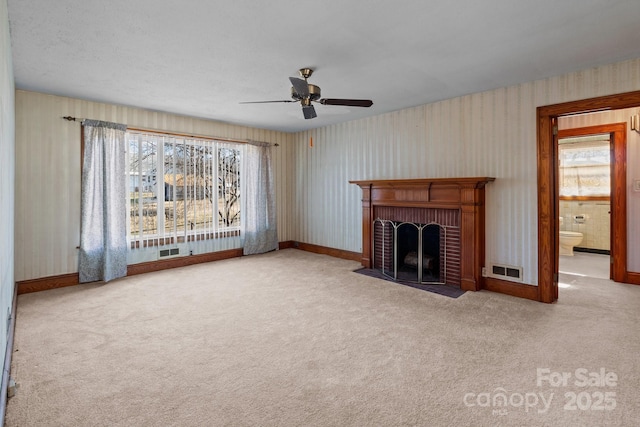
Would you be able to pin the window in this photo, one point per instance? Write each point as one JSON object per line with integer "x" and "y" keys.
{"x": 182, "y": 189}
{"x": 585, "y": 168}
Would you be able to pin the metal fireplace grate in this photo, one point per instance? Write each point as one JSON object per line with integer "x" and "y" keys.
{"x": 411, "y": 252}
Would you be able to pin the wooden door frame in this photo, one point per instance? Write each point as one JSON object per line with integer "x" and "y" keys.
{"x": 618, "y": 191}
{"x": 547, "y": 157}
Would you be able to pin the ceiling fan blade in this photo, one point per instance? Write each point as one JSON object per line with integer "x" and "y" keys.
{"x": 347, "y": 102}
{"x": 267, "y": 102}
{"x": 300, "y": 86}
{"x": 309, "y": 112}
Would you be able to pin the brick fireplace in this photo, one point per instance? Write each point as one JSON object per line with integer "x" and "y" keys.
{"x": 455, "y": 205}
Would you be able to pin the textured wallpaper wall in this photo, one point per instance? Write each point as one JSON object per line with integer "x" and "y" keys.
{"x": 48, "y": 174}
{"x": 484, "y": 134}
{"x": 491, "y": 133}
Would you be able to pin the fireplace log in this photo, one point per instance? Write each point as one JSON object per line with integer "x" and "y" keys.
{"x": 411, "y": 259}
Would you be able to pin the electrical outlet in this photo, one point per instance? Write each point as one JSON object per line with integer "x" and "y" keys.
{"x": 636, "y": 185}
{"x": 12, "y": 387}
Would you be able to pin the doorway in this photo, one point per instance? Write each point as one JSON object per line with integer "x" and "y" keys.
{"x": 548, "y": 212}
{"x": 586, "y": 163}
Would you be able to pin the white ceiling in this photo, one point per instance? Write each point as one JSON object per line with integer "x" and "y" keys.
{"x": 201, "y": 58}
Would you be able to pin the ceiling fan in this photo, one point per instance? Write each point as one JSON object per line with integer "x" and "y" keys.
{"x": 306, "y": 93}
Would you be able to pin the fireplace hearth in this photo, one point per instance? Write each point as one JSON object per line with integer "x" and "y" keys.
{"x": 425, "y": 231}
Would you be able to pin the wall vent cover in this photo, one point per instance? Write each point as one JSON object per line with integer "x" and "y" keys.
{"x": 163, "y": 253}
{"x": 507, "y": 272}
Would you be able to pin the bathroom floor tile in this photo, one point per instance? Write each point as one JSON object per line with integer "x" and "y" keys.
{"x": 586, "y": 264}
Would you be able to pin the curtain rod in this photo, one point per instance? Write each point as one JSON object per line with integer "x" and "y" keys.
{"x": 239, "y": 141}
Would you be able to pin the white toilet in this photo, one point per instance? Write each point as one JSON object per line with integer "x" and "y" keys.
{"x": 569, "y": 239}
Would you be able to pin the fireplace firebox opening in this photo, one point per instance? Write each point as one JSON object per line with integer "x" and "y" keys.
{"x": 410, "y": 252}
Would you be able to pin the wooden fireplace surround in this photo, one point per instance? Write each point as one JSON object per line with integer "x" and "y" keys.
{"x": 464, "y": 194}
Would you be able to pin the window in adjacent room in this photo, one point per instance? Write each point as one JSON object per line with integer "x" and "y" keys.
{"x": 585, "y": 167}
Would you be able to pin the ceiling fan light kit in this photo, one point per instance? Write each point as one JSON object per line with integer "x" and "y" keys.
{"x": 304, "y": 92}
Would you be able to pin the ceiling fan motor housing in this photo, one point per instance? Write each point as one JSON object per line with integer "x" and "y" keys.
{"x": 314, "y": 93}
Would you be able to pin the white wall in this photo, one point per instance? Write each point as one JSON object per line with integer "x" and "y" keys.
{"x": 48, "y": 173}
{"x": 7, "y": 169}
{"x": 485, "y": 134}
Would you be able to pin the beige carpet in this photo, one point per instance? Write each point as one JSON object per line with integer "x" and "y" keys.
{"x": 297, "y": 339}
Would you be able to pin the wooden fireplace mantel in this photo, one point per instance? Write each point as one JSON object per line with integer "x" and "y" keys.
{"x": 465, "y": 194}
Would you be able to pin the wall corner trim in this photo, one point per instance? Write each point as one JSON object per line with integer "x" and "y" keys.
{"x": 6, "y": 371}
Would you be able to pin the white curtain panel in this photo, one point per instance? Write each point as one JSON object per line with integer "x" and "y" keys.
{"x": 103, "y": 238}
{"x": 260, "y": 232}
